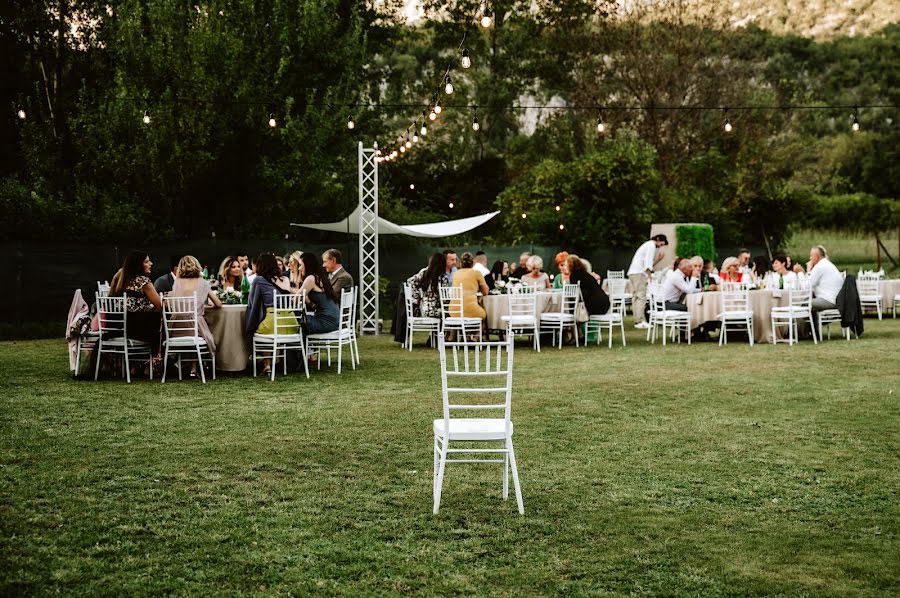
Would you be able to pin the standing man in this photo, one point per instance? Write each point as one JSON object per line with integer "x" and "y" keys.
{"x": 639, "y": 274}
{"x": 825, "y": 280}
{"x": 164, "y": 283}
{"x": 481, "y": 261}
{"x": 450, "y": 256}
{"x": 340, "y": 278}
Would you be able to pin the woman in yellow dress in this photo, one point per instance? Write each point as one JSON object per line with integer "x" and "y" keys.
{"x": 471, "y": 281}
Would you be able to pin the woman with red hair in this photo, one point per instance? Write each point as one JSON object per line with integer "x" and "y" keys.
{"x": 563, "y": 277}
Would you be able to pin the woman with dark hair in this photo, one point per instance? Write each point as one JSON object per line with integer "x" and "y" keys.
{"x": 261, "y": 303}
{"x": 320, "y": 293}
{"x": 142, "y": 302}
{"x": 760, "y": 267}
{"x": 595, "y": 300}
{"x": 425, "y": 284}
{"x": 500, "y": 271}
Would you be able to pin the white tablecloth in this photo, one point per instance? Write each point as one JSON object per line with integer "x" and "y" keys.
{"x": 227, "y": 327}
{"x": 705, "y": 307}
{"x": 497, "y": 306}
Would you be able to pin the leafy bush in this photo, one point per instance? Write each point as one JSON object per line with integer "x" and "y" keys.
{"x": 695, "y": 239}
{"x": 854, "y": 212}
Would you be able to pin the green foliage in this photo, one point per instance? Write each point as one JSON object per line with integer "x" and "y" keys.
{"x": 606, "y": 197}
{"x": 695, "y": 239}
{"x": 854, "y": 212}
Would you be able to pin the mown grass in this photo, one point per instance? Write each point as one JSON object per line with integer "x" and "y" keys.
{"x": 652, "y": 471}
{"x": 850, "y": 251}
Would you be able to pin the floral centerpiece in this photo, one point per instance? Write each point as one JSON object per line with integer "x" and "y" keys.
{"x": 504, "y": 288}
{"x": 228, "y": 296}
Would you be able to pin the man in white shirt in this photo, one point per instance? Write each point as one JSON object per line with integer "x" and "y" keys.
{"x": 481, "y": 265}
{"x": 824, "y": 279}
{"x": 639, "y": 273}
{"x": 680, "y": 282}
{"x": 744, "y": 263}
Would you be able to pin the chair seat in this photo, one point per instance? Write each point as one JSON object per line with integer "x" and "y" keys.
{"x": 336, "y": 335}
{"x": 185, "y": 341}
{"x": 610, "y": 317}
{"x": 800, "y": 312}
{"x": 557, "y": 317}
{"x": 829, "y": 315}
{"x": 458, "y": 320}
{"x": 625, "y": 296}
{"x": 473, "y": 428}
{"x": 120, "y": 342}
{"x": 519, "y": 320}
{"x": 674, "y": 314}
{"x": 735, "y": 315}
{"x": 423, "y": 320}
{"x": 282, "y": 338}
{"x": 870, "y": 297}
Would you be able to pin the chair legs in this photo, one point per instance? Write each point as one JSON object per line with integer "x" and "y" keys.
{"x": 440, "y": 450}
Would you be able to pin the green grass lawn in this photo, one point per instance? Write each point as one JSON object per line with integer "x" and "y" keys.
{"x": 652, "y": 471}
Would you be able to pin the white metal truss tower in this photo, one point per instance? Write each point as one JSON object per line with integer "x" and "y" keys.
{"x": 368, "y": 240}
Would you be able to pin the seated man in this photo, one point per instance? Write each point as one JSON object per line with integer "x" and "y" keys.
{"x": 824, "y": 279}
{"x": 680, "y": 282}
{"x": 705, "y": 280}
{"x": 340, "y": 279}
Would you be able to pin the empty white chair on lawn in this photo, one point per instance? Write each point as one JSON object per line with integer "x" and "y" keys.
{"x": 618, "y": 298}
{"x": 608, "y": 321}
{"x": 798, "y": 308}
{"x": 522, "y": 318}
{"x": 869, "y": 293}
{"x": 735, "y": 313}
{"x": 417, "y": 323}
{"x": 338, "y": 338}
{"x": 114, "y": 340}
{"x": 182, "y": 335}
{"x": 475, "y": 377}
{"x": 452, "y": 308}
{"x": 672, "y": 321}
{"x": 826, "y": 318}
{"x": 287, "y": 334}
{"x": 557, "y": 321}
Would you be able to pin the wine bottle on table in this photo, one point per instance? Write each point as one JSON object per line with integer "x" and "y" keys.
{"x": 205, "y": 273}
{"x": 245, "y": 289}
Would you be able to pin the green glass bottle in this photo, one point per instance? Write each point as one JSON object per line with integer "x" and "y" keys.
{"x": 780, "y": 281}
{"x": 245, "y": 289}
{"x": 205, "y": 273}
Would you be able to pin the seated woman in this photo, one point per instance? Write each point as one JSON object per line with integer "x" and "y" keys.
{"x": 500, "y": 271}
{"x": 261, "y": 303}
{"x": 231, "y": 274}
{"x": 471, "y": 281}
{"x": 189, "y": 282}
{"x": 786, "y": 278}
{"x": 535, "y": 277}
{"x": 320, "y": 293}
{"x": 425, "y": 284}
{"x": 294, "y": 268}
{"x": 141, "y": 299}
{"x": 760, "y": 267}
{"x": 563, "y": 277}
{"x": 595, "y": 300}
{"x": 730, "y": 271}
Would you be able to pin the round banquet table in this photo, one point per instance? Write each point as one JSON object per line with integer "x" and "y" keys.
{"x": 232, "y": 346}
{"x": 704, "y": 307}
{"x": 497, "y": 306}
{"x": 889, "y": 289}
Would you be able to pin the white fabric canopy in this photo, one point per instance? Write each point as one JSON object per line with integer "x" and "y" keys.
{"x": 350, "y": 224}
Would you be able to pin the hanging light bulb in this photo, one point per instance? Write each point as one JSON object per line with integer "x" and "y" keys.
{"x": 448, "y": 86}
{"x": 854, "y": 126}
{"x": 558, "y": 208}
{"x": 486, "y": 17}
{"x": 432, "y": 115}
{"x": 350, "y": 123}
{"x": 562, "y": 227}
{"x": 600, "y": 126}
{"x": 438, "y": 108}
{"x": 415, "y": 129}
{"x": 272, "y": 122}
{"x": 728, "y": 127}
{"x": 146, "y": 117}
{"x": 20, "y": 112}
{"x": 408, "y": 143}
{"x": 412, "y": 186}
{"x": 475, "y": 125}
{"x": 524, "y": 215}
{"x": 451, "y": 205}
{"x": 424, "y": 129}
{"x": 466, "y": 62}
{"x": 402, "y": 149}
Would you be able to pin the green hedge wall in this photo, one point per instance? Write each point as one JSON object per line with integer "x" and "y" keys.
{"x": 695, "y": 239}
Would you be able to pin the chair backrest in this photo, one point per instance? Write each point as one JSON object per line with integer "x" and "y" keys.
{"x": 734, "y": 286}
{"x": 180, "y": 316}
{"x": 656, "y": 298}
{"x": 617, "y": 294}
{"x": 735, "y": 299}
{"x": 867, "y": 286}
{"x": 112, "y": 314}
{"x": 476, "y": 376}
{"x": 348, "y": 304}
{"x": 451, "y": 301}
{"x": 102, "y": 288}
{"x": 522, "y": 302}
{"x": 800, "y": 298}
{"x": 569, "y": 300}
{"x": 615, "y": 274}
{"x": 289, "y": 308}
{"x": 408, "y": 299}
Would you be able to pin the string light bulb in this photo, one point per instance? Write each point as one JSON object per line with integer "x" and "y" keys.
{"x": 465, "y": 61}
{"x": 146, "y": 118}
{"x": 524, "y": 215}
{"x": 432, "y": 115}
{"x": 562, "y": 227}
{"x": 424, "y": 129}
{"x": 20, "y": 112}
{"x": 728, "y": 127}
{"x": 486, "y": 17}
{"x": 402, "y": 148}
{"x": 451, "y": 205}
{"x": 438, "y": 108}
{"x": 408, "y": 143}
{"x": 600, "y": 126}
{"x": 350, "y": 124}
{"x": 272, "y": 122}
{"x": 475, "y": 125}
{"x": 558, "y": 208}
{"x": 415, "y": 137}
{"x": 412, "y": 186}
{"x": 448, "y": 86}
{"x": 855, "y": 125}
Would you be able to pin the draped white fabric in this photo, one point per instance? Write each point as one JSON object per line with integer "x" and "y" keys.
{"x": 350, "y": 224}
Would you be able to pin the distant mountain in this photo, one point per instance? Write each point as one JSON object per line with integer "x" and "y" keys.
{"x": 809, "y": 18}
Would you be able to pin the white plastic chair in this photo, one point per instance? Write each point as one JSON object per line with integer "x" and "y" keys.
{"x": 618, "y": 298}
{"x": 615, "y": 274}
{"x": 557, "y": 322}
{"x": 354, "y": 293}
{"x": 798, "y": 308}
{"x": 522, "y": 316}
{"x": 337, "y": 338}
{"x": 114, "y": 339}
{"x": 869, "y": 295}
{"x": 482, "y": 373}
{"x": 735, "y": 312}
{"x": 452, "y": 303}
{"x": 609, "y": 320}
{"x": 827, "y": 317}
{"x": 287, "y": 334}
{"x": 102, "y": 288}
{"x": 182, "y": 335}
{"x": 672, "y": 321}
{"x": 417, "y": 323}
{"x": 896, "y": 302}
